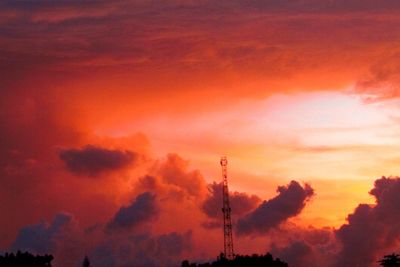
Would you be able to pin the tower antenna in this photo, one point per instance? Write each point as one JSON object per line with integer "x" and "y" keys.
{"x": 226, "y": 210}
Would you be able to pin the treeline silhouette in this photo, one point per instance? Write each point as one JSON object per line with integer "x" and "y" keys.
{"x": 391, "y": 260}
{"x": 240, "y": 261}
{"x": 25, "y": 259}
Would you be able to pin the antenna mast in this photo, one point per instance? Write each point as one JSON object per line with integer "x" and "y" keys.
{"x": 226, "y": 210}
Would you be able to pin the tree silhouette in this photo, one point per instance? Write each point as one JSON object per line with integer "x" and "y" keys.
{"x": 25, "y": 260}
{"x": 86, "y": 262}
{"x": 391, "y": 260}
{"x": 240, "y": 261}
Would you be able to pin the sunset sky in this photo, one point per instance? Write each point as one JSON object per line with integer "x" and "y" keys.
{"x": 114, "y": 115}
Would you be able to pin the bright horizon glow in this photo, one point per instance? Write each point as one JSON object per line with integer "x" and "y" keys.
{"x": 326, "y": 136}
{"x": 294, "y": 126}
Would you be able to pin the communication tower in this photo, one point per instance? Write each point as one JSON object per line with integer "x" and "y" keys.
{"x": 226, "y": 210}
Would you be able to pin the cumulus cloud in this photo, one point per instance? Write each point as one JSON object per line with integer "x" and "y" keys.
{"x": 172, "y": 179}
{"x": 142, "y": 209}
{"x": 371, "y": 231}
{"x": 241, "y": 203}
{"x": 297, "y": 253}
{"x": 371, "y": 228}
{"x": 162, "y": 250}
{"x": 311, "y": 247}
{"x": 143, "y": 250}
{"x": 174, "y": 171}
{"x": 92, "y": 160}
{"x": 288, "y": 203}
{"x": 42, "y": 237}
{"x": 304, "y": 247}
{"x": 174, "y": 243}
{"x": 63, "y": 239}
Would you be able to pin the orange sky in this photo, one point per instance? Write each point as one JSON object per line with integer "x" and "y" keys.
{"x": 307, "y": 91}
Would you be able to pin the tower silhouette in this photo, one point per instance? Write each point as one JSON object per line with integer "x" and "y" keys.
{"x": 226, "y": 210}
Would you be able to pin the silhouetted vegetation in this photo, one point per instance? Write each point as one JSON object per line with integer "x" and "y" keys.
{"x": 25, "y": 260}
{"x": 86, "y": 262}
{"x": 392, "y": 260}
{"x": 241, "y": 261}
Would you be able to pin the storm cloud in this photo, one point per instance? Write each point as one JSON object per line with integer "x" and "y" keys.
{"x": 288, "y": 203}
{"x": 143, "y": 250}
{"x": 41, "y": 237}
{"x": 371, "y": 229}
{"x": 92, "y": 160}
{"x": 241, "y": 203}
{"x": 141, "y": 210}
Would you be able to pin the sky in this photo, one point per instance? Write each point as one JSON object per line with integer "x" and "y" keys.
{"x": 114, "y": 115}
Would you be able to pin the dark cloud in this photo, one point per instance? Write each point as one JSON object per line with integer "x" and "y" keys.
{"x": 103, "y": 255}
{"x": 62, "y": 238}
{"x": 161, "y": 250}
{"x": 296, "y": 254}
{"x": 144, "y": 250}
{"x": 371, "y": 228}
{"x": 174, "y": 243}
{"x": 92, "y": 160}
{"x": 304, "y": 247}
{"x": 241, "y": 203}
{"x": 141, "y": 210}
{"x": 68, "y": 245}
{"x": 41, "y": 238}
{"x": 288, "y": 203}
{"x": 371, "y": 232}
